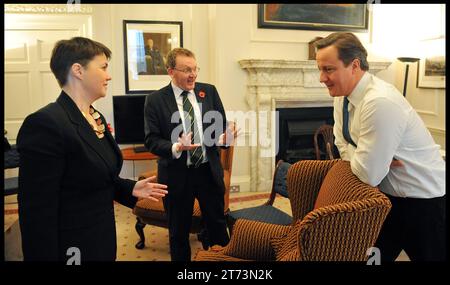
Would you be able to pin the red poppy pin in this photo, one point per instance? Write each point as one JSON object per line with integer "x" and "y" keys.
{"x": 111, "y": 130}
{"x": 202, "y": 94}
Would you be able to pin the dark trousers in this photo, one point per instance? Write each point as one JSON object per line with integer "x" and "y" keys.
{"x": 199, "y": 184}
{"x": 415, "y": 225}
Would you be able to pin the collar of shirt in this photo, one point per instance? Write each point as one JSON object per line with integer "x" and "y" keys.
{"x": 177, "y": 90}
{"x": 358, "y": 93}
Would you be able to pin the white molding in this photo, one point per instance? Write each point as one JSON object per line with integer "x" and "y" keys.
{"x": 242, "y": 180}
{"x": 304, "y": 65}
{"x": 431, "y": 113}
{"x": 33, "y": 33}
{"x": 438, "y": 135}
{"x": 437, "y": 131}
{"x": 49, "y": 8}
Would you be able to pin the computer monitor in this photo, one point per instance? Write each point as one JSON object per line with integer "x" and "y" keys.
{"x": 129, "y": 119}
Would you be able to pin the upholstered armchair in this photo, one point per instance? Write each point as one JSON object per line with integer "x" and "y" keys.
{"x": 336, "y": 217}
{"x": 266, "y": 212}
{"x": 149, "y": 212}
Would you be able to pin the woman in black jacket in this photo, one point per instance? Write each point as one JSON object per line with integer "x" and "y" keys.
{"x": 70, "y": 164}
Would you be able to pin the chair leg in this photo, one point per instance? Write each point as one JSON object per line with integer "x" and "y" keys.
{"x": 140, "y": 230}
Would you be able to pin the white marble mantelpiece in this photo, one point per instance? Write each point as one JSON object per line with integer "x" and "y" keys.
{"x": 281, "y": 84}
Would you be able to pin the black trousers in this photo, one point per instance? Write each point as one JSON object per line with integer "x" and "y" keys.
{"x": 415, "y": 225}
{"x": 199, "y": 184}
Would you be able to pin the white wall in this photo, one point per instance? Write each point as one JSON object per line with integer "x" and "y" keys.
{"x": 222, "y": 34}
{"x": 108, "y": 28}
{"x": 405, "y": 30}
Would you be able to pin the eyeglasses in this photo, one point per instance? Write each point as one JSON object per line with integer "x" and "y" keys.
{"x": 189, "y": 71}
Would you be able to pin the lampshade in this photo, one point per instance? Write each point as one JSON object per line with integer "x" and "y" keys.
{"x": 408, "y": 59}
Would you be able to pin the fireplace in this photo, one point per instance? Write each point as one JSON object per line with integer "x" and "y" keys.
{"x": 286, "y": 84}
{"x": 296, "y": 128}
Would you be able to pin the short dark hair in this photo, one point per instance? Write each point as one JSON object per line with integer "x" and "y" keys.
{"x": 349, "y": 47}
{"x": 76, "y": 50}
{"x": 172, "y": 56}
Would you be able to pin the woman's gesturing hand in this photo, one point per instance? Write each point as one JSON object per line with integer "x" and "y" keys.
{"x": 146, "y": 188}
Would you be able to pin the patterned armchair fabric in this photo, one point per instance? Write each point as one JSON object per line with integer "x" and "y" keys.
{"x": 336, "y": 217}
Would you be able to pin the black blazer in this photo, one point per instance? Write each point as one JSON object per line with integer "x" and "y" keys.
{"x": 159, "y": 108}
{"x": 67, "y": 185}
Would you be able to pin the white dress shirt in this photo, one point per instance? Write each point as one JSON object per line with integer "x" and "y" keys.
{"x": 384, "y": 126}
{"x": 198, "y": 119}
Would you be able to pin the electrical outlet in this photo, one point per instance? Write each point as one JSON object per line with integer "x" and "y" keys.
{"x": 235, "y": 188}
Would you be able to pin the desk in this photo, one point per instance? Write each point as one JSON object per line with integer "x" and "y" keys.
{"x": 129, "y": 154}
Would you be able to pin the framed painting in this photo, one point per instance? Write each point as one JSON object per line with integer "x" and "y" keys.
{"x": 324, "y": 17}
{"x": 431, "y": 72}
{"x": 146, "y": 45}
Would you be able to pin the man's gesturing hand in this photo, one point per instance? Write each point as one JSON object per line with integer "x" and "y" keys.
{"x": 184, "y": 143}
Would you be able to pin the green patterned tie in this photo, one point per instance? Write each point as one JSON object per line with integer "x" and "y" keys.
{"x": 191, "y": 126}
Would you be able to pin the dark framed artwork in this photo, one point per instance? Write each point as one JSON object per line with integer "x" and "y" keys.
{"x": 431, "y": 69}
{"x": 324, "y": 17}
{"x": 146, "y": 45}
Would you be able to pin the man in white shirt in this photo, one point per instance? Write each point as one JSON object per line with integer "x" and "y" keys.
{"x": 388, "y": 146}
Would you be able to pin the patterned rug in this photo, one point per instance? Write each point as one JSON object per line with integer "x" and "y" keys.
{"x": 157, "y": 239}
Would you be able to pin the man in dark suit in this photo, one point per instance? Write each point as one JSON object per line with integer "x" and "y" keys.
{"x": 189, "y": 156}
{"x": 154, "y": 59}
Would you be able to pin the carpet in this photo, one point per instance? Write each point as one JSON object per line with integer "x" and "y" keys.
{"x": 156, "y": 238}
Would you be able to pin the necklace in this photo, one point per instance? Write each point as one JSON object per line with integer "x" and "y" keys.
{"x": 99, "y": 129}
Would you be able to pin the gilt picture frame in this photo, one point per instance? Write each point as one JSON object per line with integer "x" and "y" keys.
{"x": 325, "y": 17}
{"x": 431, "y": 72}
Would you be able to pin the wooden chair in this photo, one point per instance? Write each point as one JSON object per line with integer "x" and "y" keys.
{"x": 326, "y": 131}
{"x": 336, "y": 217}
{"x": 149, "y": 212}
